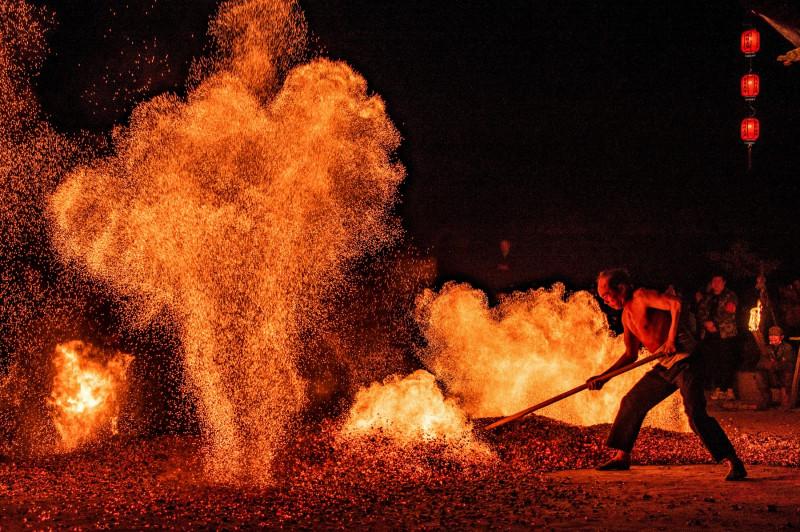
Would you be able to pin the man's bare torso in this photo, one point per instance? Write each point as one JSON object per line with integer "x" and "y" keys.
{"x": 650, "y": 325}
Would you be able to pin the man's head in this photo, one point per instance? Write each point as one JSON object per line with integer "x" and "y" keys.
{"x": 615, "y": 287}
{"x": 717, "y": 284}
{"x": 775, "y": 335}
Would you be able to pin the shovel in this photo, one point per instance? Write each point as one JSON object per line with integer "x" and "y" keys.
{"x": 573, "y": 391}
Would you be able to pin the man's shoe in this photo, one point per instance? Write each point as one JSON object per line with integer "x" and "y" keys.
{"x": 737, "y": 470}
{"x": 614, "y": 465}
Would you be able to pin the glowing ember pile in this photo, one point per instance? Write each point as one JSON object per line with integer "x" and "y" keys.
{"x": 159, "y": 482}
{"x": 530, "y": 347}
{"x": 408, "y": 410}
{"x": 86, "y": 392}
{"x": 236, "y": 211}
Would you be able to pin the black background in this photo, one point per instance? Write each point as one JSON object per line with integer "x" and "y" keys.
{"x": 588, "y": 134}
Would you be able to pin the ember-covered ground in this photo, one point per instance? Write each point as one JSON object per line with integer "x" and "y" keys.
{"x": 538, "y": 476}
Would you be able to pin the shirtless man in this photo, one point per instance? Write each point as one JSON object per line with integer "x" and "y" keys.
{"x": 652, "y": 319}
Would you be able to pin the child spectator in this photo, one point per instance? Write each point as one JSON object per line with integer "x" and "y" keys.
{"x": 775, "y": 368}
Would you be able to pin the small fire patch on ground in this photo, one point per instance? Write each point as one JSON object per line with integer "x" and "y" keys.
{"x": 538, "y": 474}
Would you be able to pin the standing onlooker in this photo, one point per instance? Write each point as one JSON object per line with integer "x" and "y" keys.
{"x": 717, "y": 317}
{"x": 775, "y": 368}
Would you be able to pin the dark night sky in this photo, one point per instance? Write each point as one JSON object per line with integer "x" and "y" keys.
{"x": 589, "y": 134}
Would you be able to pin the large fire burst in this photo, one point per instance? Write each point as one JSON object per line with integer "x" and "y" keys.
{"x": 86, "y": 392}
{"x": 236, "y": 212}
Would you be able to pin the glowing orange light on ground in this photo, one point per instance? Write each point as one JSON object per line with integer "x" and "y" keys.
{"x": 85, "y": 392}
{"x": 407, "y": 409}
{"x": 411, "y": 410}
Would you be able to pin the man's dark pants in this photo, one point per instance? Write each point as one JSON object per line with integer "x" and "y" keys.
{"x": 722, "y": 360}
{"x": 688, "y": 376}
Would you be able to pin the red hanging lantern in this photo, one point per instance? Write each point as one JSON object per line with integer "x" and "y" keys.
{"x": 749, "y": 130}
{"x": 750, "y": 84}
{"x": 751, "y": 42}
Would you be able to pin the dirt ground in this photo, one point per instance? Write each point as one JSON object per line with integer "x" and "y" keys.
{"x": 774, "y": 422}
{"x": 538, "y": 475}
{"x": 693, "y": 496}
{"x": 680, "y": 497}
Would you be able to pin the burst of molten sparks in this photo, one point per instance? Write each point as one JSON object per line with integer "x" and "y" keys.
{"x": 408, "y": 410}
{"x": 755, "y": 317}
{"x": 237, "y": 209}
{"x": 530, "y": 347}
{"x": 85, "y": 392}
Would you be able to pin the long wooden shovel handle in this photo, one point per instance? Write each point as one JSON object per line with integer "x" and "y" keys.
{"x": 573, "y": 391}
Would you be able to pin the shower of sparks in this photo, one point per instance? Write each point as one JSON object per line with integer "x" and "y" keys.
{"x": 530, "y": 347}
{"x": 235, "y": 213}
{"x": 409, "y": 410}
{"x": 32, "y": 154}
{"x": 32, "y": 310}
{"x": 235, "y": 210}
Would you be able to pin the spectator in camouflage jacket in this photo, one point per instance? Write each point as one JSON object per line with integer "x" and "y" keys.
{"x": 717, "y": 317}
{"x": 717, "y": 310}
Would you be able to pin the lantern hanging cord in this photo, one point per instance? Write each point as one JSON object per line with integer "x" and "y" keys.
{"x": 752, "y": 110}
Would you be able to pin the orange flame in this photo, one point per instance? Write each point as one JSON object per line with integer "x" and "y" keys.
{"x": 530, "y": 347}
{"x": 755, "y": 317}
{"x": 409, "y": 410}
{"x": 85, "y": 397}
